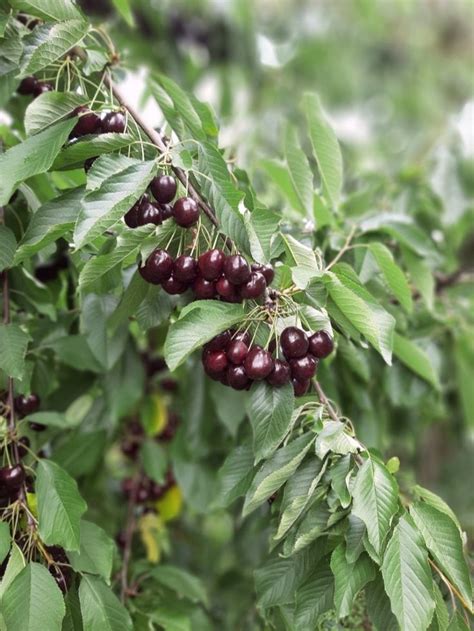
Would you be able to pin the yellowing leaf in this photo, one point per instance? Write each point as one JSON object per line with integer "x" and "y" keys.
{"x": 170, "y": 505}
{"x": 151, "y": 527}
{"x": 32, "y": 504}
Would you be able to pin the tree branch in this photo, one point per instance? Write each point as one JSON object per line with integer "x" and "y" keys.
{"x": 129, "y": 531}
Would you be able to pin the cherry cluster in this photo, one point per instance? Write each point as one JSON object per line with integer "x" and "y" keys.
{"x": 211, "y": 275}
{"x": 135, "y": 435}
{"x": 232, "y": 359}
{"x": 147, "y": 489}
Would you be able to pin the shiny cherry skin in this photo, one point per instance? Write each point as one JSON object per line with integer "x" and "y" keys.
{"x": 148, "y": 213}
{"x": 185, "y": 212}
{"x": 113, "y": 122}
{"x": 204, "y": 289}
{"x": 237, "y": 351}
{"x": 88, "y": 123}
{"x": 166, "y": 211}
{"x": 236, "y": 269}
{"x": 131, "y": 217}
{"x": 242, "y": 336}
{"x": 11, "y": 478}
{"x": 41, "y": 88}
{"x": 321, "y": 344}
{"x": 173, "y": 286}
{"x": 255, "y": 287}
{"x": 159, "y": 266}
{"x": 266, "y": 270}
{"x": 294, "y": 342}
{"x": 219, "y": 342}
{"x": 163, "y": 188}
{"x": 27, "y": 85}
{"x": 226, "y": 290}
{"x": 23, "y": 444}
{"x": 215, "y": 363}
{"x": 26, "y": 404}
{"x": 300, "y": 387}
{"x": 211, "y": 264}
{"x": 303, "y": 368}
{"x": 280, "y": 375}
{"x": 237, "y": 378}
{"x": 258, "y": 364}
{"x": 185, "y": 269}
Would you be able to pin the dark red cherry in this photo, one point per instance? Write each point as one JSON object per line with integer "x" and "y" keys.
{"x": 211, "y": 264}
{"x": 185, "y": 269}
{"x": 11, "y": 479}
{"x": 255, "y": 287}
{"x": 127, "y": 486}
{"x": 242, "y": 336}
{"x": 37, "y": 427}
{"x": 26, "y": 404}
{"x": 88, "y": 123}
{"x": 280, "y": 374}
{"x": 215, "y": 363}
{"x": 173, "y": 286}
{"x": 121, "y": 539}
{"x": 166, "y": 211}
{"x": 113, "y": 122}
{"x": 130, "y": 448}
{"x": 23, "y": 444}
{"x": 157, "y": 491}
{"x": 219, "y": 342}
{"x": 131, "y": 217}
{"x": 236, "y": 269}
{"x": 27, "y": 85}
{"x": 135, "y": 428}
{"x": 237, "y": 377}
{"x": 88, "y": 163}
{"x": 143, "y": 494}
{"x": 163, "y": 188}
{"x": 148, "y": 213}
{"x": 62, "y": 575}
{"x": 41, "y": 88}
{"x": 237, "y": 351}
{"x": 185, "y": 212}
{"x": 258, "y": 364}
{"x": 300, "y": 387}
{"x": 303, "y": 368}
{"x": 321, "y": 344}
{"x": 266, "y": 270}
{"x": 227, "y": 290}
{"x": 204, "y": 289}
{"x": 158, "y": 266}
{"x": 294, "y": 342}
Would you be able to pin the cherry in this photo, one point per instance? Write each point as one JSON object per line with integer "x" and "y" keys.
{"x": 272, "y": 498}
{"x": 211, "y": 264}
{"x": 27, "y": 85}
{"x": 185, "y": 269}
{"x": 135, "y": 428}
{"x": 294, "y": 342}
{"x": 300, "y": 387}
{"x": 174, "y": 286}
{"x": 157, "y": 491}
{"x": 88, "y": 123}
{"x": 255, "y": 287}
{"x": 148, "y": 213}
{"x": 227, "y": 290}
{"x": 237, "y": 377}
{"x": 23, "y": 444}
{"x": 321, "y": 344}
{"x": 121, "y": 539}
{"x": 204, "y": 289}
{"x": 131, "y": 217}
{"x": 127, "y": 485}
{"x": 163, "y": 188}
{"x": 236, "y": 269}
{"x": 41, "y": 88}
{"x": 237, "y": 351}
{"x": 303, "y": 368}
{"x": 62, "y": 576}
{"x": 11, "y": 478}
{"x": 169, "y": 385}
{"x": 258, "y": 364}
{"x": 266, "y": 270}
{"x": 37, "y": 427}
{"x": 57, "y": 553}
{"x": 185, "y": 212}
{"x": 113, "y": 122}
{"x": 170, "y": 429}
{"x": 280, "y": 374}
{"x": 158, "y": 266}
{"x": 130, "y": 448}
{"x": 219, "y": 342}
{"x": 170, "y": 479}
{"x": 242, "y": 336}
{"x": 166, "y": 211}
{"x": 27, "y": 404}
{"x": 215, "y": 363}
{"x": 143, "y": 493}
{"x": 88, "y": 163}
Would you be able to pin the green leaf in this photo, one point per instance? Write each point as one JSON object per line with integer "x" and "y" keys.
{"x": 5, "y": 540}
{"x": 403, "y": 230}
{"x": 102, "y": 208}
{"x": 375, "y": 502}
{"x": 437, "y": 502}
{"x": 334, "y": 438}
{"x": 48, "y": 9}
{"x": 275, "y": 472}
{"x": 378, "y": 606}
{"x": 262, "y": 226}
{"x": 443, "y": 540}
{"x": 7, "y": 247}
{"x": 49, "y": 108}
{"x": 349, "y": 579}
{"x": 270, "y": 412}
{"x": 60, "y": 506}
{"x": 235, "y": 475}
{"x": 52, "y": 419}
{"x": 33, "y": 156}
{"x": 182, "y": 582}
{"x": 133, "y": 296}
{"x": 312, "y": 526}
{"x": 125, "y": 10}
{"x": 101, "y": 609}
{"x": 368, "y": 318}
{"x": 407, "y": 577}
{"x": 96, "y": 553}
{"x": 440, "y": 620}
{"x": 197, "y": 324}
{"x": 183, "y": 106}
{"x": 303, "y": 261}
{"x": 354, "y": 537}
{"x": 457, "y": 623}
{"x": 16, "y": 563}
{"x": 394, "y": 277}
{"x": 325, "y": 148}
{"x": 33, "y": 601}
{"x": 51, "y": 221}
{"x": 314, "y": 597}
{"x": 298, "y": 492}
{"x": 340, "y": 474}
{"x": 13, "y": 345}
{"x": 154, "y": 460}
{"x": 415, "y": 359}
{"x": 299, "y": 170}
{"x": 420, "y": 275}
{"x": 278, "y": 172}
{"x": 47, "y": 43}
{"x": 74, "y": 154}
